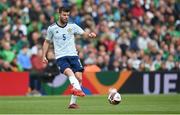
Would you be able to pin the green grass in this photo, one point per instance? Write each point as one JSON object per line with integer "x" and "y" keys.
{"x": 131, "y": 104}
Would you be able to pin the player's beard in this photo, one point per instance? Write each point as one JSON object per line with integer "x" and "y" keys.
{"x": 63, "y": 21}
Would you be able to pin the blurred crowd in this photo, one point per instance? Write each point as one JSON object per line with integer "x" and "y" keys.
{"x": 139, "y": 35}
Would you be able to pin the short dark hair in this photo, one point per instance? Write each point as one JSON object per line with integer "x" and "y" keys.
{"x": 64, "y": 8}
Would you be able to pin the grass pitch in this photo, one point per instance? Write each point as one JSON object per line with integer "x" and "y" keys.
{"x": 131, "y": 104}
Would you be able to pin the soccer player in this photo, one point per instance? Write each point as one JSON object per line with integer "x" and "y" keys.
{"x": 61, "y": 34}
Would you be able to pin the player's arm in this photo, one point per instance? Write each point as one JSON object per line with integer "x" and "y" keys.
{"x": 46, "y": 44}
{"x": 44, "y": 52}
{"x": 79, "y": 30}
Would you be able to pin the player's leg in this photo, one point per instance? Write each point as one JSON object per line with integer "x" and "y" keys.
{"x": 77, "y": 69}
{"x": 75, "y": 93}
{"x": 72, "y": 104}
{"x": 73, "y": 80}
{"x": 65, "y": 68}
{"x": 79, "y": 77}
{"x": 73, "y": 97}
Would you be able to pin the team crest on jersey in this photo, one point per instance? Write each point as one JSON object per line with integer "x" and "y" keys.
{"x": 69, "y": 30}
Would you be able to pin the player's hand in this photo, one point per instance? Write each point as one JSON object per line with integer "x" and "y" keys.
{"x": 92, "y": 35}
{"x": 44, "y": 60}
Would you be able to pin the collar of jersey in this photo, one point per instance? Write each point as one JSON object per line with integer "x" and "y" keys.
{"x": 60, "y": 25}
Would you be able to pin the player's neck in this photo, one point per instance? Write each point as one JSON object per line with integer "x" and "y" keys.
{"x": 60, "y": 23}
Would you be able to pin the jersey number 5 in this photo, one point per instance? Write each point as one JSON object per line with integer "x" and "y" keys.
{"x": 64, "y": 36}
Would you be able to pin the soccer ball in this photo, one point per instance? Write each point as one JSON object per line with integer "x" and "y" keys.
{"x": 114, "y": 97}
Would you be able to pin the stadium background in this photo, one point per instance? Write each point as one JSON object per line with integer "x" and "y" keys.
{"x": 132, "y": 35}
{"x": 137, "y": 51}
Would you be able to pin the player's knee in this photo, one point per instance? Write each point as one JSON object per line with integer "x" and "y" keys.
{"x": 68, "y": 72}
